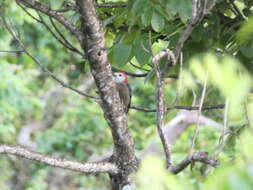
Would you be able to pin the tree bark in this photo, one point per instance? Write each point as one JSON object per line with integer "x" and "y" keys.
{"x": 94, "y": 47}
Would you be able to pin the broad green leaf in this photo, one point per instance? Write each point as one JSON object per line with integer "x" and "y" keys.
{"x": 138, "y": 7}
{"x": 246, "y": 31}
{"x": 146, "y": 17}
{"x": 120, "y": 54}
{"x": 109, "y": 39}
{"x": 247, "y": 50}
{"x": 158, "y": 46}
{"x": 157, "y": 22}
{"x": 180, "y": 7}
{"x": 139, "y": 52}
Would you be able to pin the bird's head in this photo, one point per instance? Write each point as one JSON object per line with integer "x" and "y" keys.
{"x": 120, "y": 77}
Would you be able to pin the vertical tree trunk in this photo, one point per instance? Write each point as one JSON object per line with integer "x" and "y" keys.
{"x": 94, "y": 46}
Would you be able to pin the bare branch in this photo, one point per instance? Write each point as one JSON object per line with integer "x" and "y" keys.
{"x": 129, "y": 73}
{"x": 52, "y": 13}
{"x": 100, "y": 167}
{"x": 160, "y": 104}
{"x": 221, "y": 106}
{"x": 137, "y": 67}
{"x": 66, "y": 9}
{"x": 195, "y": 157}
{"x": 65, "y": 43}
{"x": 28, "y": 13}
{"x": 111, "y": 5}
{"x": 164, "y": 53}
{"x": 68, "y": 44}
{"x": 44, "y": 69}
{"x": 104, "y": 5}
{"x": 199, "y": 10}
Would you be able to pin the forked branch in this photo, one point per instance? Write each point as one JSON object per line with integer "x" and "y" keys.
{"x": 44, "y": 69}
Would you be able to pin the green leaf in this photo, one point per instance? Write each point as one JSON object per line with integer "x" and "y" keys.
{"x": 246, "y": 31}
{"x": 138, "y": 7}
{"x": 146, "y": 17}
{"x": 120, "y": 54}
{"x": 140, "y": 54}
{"x": 181, "y": 7}
{"x": 157, "y": 22}
{"x": 247, "y": 50}
{"x": 160, "y": 45}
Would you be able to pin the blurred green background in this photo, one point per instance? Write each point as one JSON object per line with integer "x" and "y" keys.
{"x": 73, "y": 127}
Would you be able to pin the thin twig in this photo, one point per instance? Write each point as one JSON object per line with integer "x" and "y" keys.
{"x": 28, "y": 13}
{"x": 138, "y": 67}
{"x": 51, "y": 31}
{"x": 199, "y": 10}
{"x": 104, "y": 5}
{"x": 68, "y": 44}
{"x": 196, "y": 132}
{"x": 99, "y": 167}
{"x": 247, "y": 117}
{"x": 222, "y": 136}
{"x": 44, "y": 69}
{"x": 111, "y": 5}
{"x": 52, "y": 13}
{"x": 221, "y": 106}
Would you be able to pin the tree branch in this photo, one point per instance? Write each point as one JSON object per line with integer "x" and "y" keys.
{"x": 111, "y": 5}
{"x": 195, "y": 157}
{"x": 221, "y": 106}
{"x": 103, "y": 5}
{"x": 160, "y": 103}
{"x": 64, "y": 41}
{"x": 52, "y": 13}
{"x": 68, "y": 44}
{"x": 199, "y": 10}
{"x": 100, "y": 167}
{"x": 44, "y": 69}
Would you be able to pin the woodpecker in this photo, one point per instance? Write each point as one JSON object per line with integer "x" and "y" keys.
{"x": 125, "y": 94}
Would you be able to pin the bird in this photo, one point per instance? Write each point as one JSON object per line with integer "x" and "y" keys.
{"x": 124, "y": 89}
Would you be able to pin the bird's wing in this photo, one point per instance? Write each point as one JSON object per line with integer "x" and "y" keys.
{"x": 130, "y": 97}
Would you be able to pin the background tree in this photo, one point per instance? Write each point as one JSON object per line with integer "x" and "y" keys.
{"x": 189, "y": 55}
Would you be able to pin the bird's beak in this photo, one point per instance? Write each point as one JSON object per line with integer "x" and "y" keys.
{"x": 114, "y": 76}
